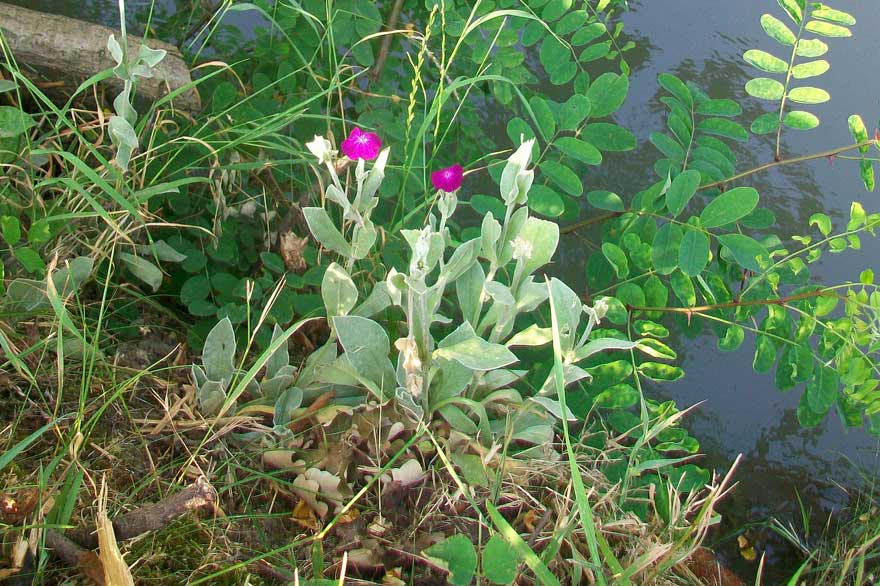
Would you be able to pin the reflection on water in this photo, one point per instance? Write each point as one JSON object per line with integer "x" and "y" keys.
{"x": 741, "y": 412}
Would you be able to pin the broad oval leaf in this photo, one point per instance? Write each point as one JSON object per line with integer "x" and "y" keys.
{"x": 811, "y": 69}
{"x": 682, "y": 189}
{"x": 668, "y": 146}
{"x": 579, "y": 149}
{"x": 607, "y": 93}
{"x": 765, "y": 123}
{"x": 545, "y": 201}
{"x": 664, "y": 250}
{"x": 719, "y": 108}
{"x": 765, "y": 88}
{"x": 746, "y": 251}
{"x": 800, "y": 120}
{"x": 777, "y": 30}
{"x": 562, "y": 176}
{"x": 456, "y": 554}
{"x": 833, "y": 15}
{"x": 574, "y": 111}
{"x": 693, "y": 256}
{"x": 723, "y": 127}
{"x": 811, "y": 48}
{"x": 827, "y": 29}
{"x": 808, "y": 95}
{"x": 729, "y": 207}
{"x": 794, "y": 9}
{"x": 605, "y": 200}
{"x": 660, "y": 372}
{"x": 765, "y": 61}
{"x": 615, "y": 255}
{"x": 677, "y": 88}
{"x": 609, "y": 137}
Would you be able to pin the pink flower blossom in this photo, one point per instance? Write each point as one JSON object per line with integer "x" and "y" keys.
{"x": 361, "y": 145}
{"x": 448, "y": 179}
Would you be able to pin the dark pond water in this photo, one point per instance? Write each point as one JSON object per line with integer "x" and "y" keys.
{"x": 741, "y": 412}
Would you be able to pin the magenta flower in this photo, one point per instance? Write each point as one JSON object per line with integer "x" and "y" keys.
{"x": 361, "y": 145}
{"x": 448, "y": 179}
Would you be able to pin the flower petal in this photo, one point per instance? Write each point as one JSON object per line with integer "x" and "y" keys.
{"x": 448, "y": 179}
{"x": 361, "y": 145}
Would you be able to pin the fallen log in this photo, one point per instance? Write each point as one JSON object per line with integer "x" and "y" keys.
{"x": 75, "y": 50}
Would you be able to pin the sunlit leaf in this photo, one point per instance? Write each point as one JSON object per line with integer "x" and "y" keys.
{"x": 765, "y": 123}
{"x": 765, "y": 61}
{"x": 811, "y": 69}
{"x": 765, "y": 88}
{"x": 745, "y": 250}
{"x": 833, "y": 15}
{"x": 808, "y": 95}
{"x": 579, "y": 149}
{"x": 827, "y": 29}
{"x": 693, "y": 256}
{"x": 723, "y": 127}
{"x": 680, "y": 192}
{"x": 729, "y": 207}
{"x": 777, "y": 30}
{"x": 677, "y": 88}
{"x": 859, "y": 132}
{"x": 811, "y": 48}
{"x": 800, "y": 120}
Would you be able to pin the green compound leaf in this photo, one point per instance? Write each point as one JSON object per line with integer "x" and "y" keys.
{"x": 723, "y": 127}
{"x": 832, "y": 15}
{"x": 607, "y": 94}
{"x": 800, "y": 120}
{"x": 664, "y": 250}
{"x": 859, "y": 131}
{"x": 683, "y": 188}
{"x": 545, "y": 201}
{"x": 619, "y": 396}
{"x": 765, "y": 123}
{"x": 808, "y": 95}
{"x": 657, "y": 371}
{"x": 765, "y": 88}
{"x": 765, "y": 354}
{"x": 746, "y": 251}
{"x": 765, "y": 61}
{"x": 725, "y": 107}
{"x": 574, "y": 112}
{"x": 605, "y": 200}
{"x": 617, "y": 258}
{"x": 729, "y": 207}
{"x": 794, "y": 9}
{"x": 866, "y": 169}
{"x": 821, "y": 391}
{"x": 693, "y": 256}
{"x": 777, "y": 30}
{"x": 457, "y": 555}
{"x": 609, "y": 137}
{"x": 677, "y": 88}
{"x": 562, "y": 176}
{"x": 579, "y": 149}
{"x": 668, "y": 146}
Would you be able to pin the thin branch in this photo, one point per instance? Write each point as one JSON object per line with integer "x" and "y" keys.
{"x": 821, "y": 155}
{"x": 386, "y": 42}
{"x": 590, "y": 222}
{"x": 738, "y": 303}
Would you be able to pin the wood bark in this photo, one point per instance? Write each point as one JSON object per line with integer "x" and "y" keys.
{"x": 74, "y": 50}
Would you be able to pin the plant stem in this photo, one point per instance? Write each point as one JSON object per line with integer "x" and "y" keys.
{"x": 386, "y": 42}
{"x": 737, "y": 303}
{"x": 590, "y": 222}
{"x": 801, "y": 159}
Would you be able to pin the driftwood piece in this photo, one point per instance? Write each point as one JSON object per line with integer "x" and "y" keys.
{"x": 75, "y": 50}
{"x": 152, "y": 517}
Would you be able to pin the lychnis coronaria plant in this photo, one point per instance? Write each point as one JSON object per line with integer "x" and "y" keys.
{"x": 455, "y": 356}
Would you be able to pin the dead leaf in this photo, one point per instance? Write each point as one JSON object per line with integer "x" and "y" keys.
{"x": 291, "y": 248}
{"x": 14, "y": 508}
{"x": 409, "y": 474}
{"x": 304, "y": 516}
{"x": 116, "y": 571}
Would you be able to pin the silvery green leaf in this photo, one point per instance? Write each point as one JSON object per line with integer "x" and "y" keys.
{"x": 340, "y": 372}
{"x": 517, "y": 163}
{"x": 122, "y": 105}
{"x": 538, "y": 434}
{"x": 337, "y": 196}
{"x": 500, "y": 293}
{"x": 477, "y": 354}
{"x": 162, "y": 250}
{"x": 273, "y": 387}
{"x": 72, "y": 275}
{"x": 406, "y": 401}
{"x": 497, "y": 379}
{"x": 524, "y": 182}
{"x": 554, "y": 408}
{"x": 378, "y": 300}
{"x": 115, "y": 49}
{"x": 142, "y": 269}
{"x": 316, "y": 361}
{"x": 514, "y": 227}
{"x": 211, "y": 396}
{"x": 460, "y": 334}
{"x": 531, "y": 336}
{"x": 447, "y": 203}
{"x": 469, "y": 292}
{"x": 24, "y": 295}
{"x": 542, "y": 237}
{"x": 503, "y": 396}
{"x": 142, "y": 70}
{"x": 374, "y": 178}
{"x": 219, "y": 352}
{"x": 462, "y": 259}
{"x": 366, "y": 349}
{"x": 490, "y": 233}
{"x": 602, "y": 345}
{"x": 287, "y": 402}
{"x": 449, "y": 379}
{"x": 198, "y": 375}
{"x": 363, "y": 238}
{"x": 531, "y": 295}
{"x": 568, "y": 313}
{"x": 280, "y": 358}
{"x": 571, "y": 373}
{"x": 458, "y": 420}
{"x": 325, "y": 232}
{"x": 151, "y": 57}
{"x": 338, "y": 291}
{"x": 396, "y": 283}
